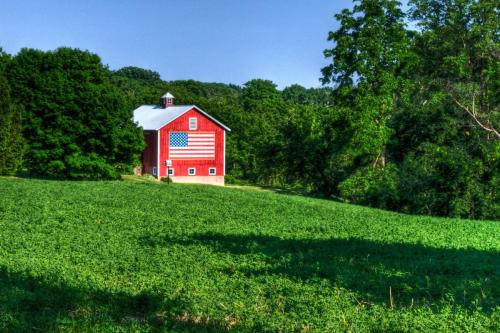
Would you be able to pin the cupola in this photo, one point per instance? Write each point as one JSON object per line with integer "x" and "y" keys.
{"x": 167, "y": 100}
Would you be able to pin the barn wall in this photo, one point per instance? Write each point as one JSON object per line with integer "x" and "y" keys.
{"x": 180, "y": 167}
{"x": 150, "y": 154}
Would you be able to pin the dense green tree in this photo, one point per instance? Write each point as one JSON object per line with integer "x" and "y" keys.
{"x": 458, "y": 51}
{"x": 4, "y": 60}
{"x": 137, "y": 73}
{"x": 264, "y": 114}
{"x": 419, "y": 108}
{"x": 371, "y": 49}
{"x": 76, "y": 123}
{"x": 448, "y": 135}
{"x": 308, "y": 139}
{"x": 312, "y": 96}
{"x": 11, "y": 140}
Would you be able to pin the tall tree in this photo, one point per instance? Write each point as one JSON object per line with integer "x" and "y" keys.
{"x": 76, "y": 123}
{"x": 371, "y": 49}
{"x": 259, "y": 142}
{"x": 460, "y": 52}
{"x": 420, "y": 109}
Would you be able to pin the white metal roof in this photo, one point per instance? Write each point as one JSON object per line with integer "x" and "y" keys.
{"x": 154, "y": 117}
{"x": 168, "y": 95}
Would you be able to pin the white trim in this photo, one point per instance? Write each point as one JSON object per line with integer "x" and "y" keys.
{"x": 212, "y": 118}
{"x": 158, "y": 155}
{"x": 170, "y": 171}
{"x": 195, "y": 127}
{"x": 189, "y": 171}
{"x": 187, "y": 108}
{"x": 224, "y": 154}
{"x": 212, "y": 174}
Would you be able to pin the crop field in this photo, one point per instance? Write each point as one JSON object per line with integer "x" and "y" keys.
{"x": 128, "y": 256}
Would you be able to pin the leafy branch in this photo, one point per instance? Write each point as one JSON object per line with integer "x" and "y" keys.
{"x": 470, "y": 93}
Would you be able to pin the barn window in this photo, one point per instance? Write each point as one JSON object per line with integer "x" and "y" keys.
{"x": 192, "y": 171}
{"x": 170, "y": 171}
{"x": 154, "y": 171}
{"x": 193, "y": 124}
{"x": 212, "y": 171}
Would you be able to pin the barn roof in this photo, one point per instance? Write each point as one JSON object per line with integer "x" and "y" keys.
{"x": 154, "y": 117}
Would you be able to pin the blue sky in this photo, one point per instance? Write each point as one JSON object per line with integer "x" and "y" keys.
{"x": 230, "y": 41}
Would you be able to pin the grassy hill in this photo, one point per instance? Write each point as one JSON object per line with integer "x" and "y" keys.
{"x": 130, "y": 256}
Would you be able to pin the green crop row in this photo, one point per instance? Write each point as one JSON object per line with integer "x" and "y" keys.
{"x": 124, "y": 256}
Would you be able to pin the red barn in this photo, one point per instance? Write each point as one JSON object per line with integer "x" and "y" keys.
{"x": 182, "y": 142}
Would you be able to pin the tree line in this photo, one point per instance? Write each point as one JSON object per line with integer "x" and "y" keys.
{"x": 408, "y": 118}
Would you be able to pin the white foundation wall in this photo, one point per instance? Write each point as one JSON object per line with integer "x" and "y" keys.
{"x": 211, "y": 180}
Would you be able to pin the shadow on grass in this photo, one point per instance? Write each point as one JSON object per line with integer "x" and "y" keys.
{"x": 33, "y": 304}
{"x": 414, "y": 274}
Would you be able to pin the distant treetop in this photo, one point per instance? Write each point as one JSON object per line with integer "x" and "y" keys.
{"x": 141, "y": 74}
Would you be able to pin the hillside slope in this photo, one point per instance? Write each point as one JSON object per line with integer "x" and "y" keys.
{"x": 123, "y": 256}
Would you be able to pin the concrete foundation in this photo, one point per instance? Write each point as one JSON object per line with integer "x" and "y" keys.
{"x": 211, "y": 180}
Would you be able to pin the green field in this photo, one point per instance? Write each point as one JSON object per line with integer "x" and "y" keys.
{"x": 132, "y": 256}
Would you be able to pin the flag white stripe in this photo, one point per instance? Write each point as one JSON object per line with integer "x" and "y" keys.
{"x": 192, "y": 148}
{"x": 193, "y": 152}
{"x": 200, "y": 144}
{"x": 191, "y": 156}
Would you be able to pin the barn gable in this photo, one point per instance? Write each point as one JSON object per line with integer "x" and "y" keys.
{"x": 154, "y": 117}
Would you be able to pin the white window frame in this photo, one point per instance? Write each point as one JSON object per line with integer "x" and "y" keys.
{"x": 210, "y": 173}
{"x": 154, "y": 171}
{"x": 195, "y": 124}
{"x": 191, "y": 174}
{"x": 170, "y": 171}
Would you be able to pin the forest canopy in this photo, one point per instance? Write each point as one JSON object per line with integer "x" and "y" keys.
{"x": 408, "y": 117}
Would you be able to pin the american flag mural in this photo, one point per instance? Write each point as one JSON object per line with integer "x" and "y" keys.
{"x": 192, "y": 145}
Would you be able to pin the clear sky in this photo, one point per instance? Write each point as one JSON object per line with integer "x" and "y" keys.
{"x": 230, "y": 41}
